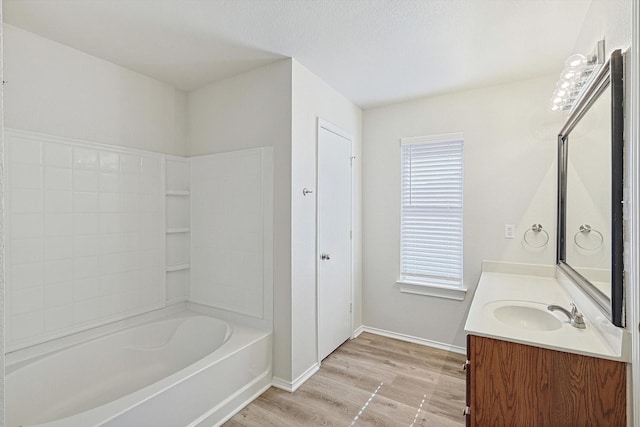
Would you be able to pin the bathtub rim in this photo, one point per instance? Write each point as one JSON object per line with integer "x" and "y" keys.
{"x": 16, "y": 358}
{"x": 242, "y": 336}
{"x": 24, "y": 356}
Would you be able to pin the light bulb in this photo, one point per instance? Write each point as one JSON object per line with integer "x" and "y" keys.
{"x": 565, "y": 84}
{"x": 576, "y": 61}
{"x": 576, "y": 73}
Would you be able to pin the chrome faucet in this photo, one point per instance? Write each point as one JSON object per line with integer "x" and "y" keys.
{"x": 575, "y": 317}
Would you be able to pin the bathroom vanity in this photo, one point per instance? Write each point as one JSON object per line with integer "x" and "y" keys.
{"x": 511, "y": 384}
{"x": 528, "y": 366}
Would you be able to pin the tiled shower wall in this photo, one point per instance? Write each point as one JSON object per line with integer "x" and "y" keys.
{"x": 85, "y": 235}
{"x": 232, "y": 246}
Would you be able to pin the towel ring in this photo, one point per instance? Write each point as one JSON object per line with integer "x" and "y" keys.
{"x": 586, "y": 229}
{"x": 536, "y": 228}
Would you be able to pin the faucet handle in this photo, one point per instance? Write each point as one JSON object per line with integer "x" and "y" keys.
{"x": 578, "y": 318}
{"x": 574, "y": 310}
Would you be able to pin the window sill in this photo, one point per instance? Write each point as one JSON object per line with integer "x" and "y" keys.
{"x": 457, "y": 294}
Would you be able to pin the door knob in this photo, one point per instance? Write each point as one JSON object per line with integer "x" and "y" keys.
{"x": 325, "y": 256}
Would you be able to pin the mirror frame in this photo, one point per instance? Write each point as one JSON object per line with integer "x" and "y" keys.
{"x": 610, "y": 74}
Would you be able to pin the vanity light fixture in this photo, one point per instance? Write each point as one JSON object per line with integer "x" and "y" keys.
{"x": 577, "y": 71}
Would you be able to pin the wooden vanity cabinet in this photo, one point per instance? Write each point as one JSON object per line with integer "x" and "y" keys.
{"x": 511, "y": 384}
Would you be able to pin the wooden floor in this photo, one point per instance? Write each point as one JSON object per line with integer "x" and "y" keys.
{"x": 369, "y": 381}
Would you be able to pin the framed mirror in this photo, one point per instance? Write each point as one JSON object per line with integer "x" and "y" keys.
{"x": 590, "y": 190}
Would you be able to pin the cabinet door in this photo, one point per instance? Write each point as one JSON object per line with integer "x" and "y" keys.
{"x": 519, "y": 385}
{"x": 509, "y": 384}
{"x": 588, "y": 391}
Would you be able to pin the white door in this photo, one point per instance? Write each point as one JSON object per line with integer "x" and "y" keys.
{"x": 334, "y": 238}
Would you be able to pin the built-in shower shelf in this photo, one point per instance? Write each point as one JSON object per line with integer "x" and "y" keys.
{"x": 178, "y": 230}
{"x": 178, "y": 267}
{"x": 178, "y": 192}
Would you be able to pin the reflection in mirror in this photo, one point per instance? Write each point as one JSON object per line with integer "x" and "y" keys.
{"x": 590, "y": 182}
{"x": 588, "y": 201}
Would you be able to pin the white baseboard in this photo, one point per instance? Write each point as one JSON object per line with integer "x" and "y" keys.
{"x": 358, "y": 331}
{"x": 293, "y": 386}
{"x": 282, "y": 384}
{"x": 415, "y": 340}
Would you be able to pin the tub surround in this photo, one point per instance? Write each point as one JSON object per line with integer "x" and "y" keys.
{"x": 89, "y": 247}
{"x": 531, "y": 286}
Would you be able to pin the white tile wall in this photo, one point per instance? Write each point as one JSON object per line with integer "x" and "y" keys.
{"x": 178, "y": 215}
{"x": 231, "y": 245}
{"x": 85, "y": 235}
{"x": 178, "y": 249}
{"x": 178, "y": 285}
{"x": 178, "y": 173}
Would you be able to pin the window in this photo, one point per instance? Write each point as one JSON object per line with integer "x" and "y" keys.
{"x": 431, "y": 216}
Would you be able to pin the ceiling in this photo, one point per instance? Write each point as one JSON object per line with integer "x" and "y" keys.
{"x": 373, "y": 51}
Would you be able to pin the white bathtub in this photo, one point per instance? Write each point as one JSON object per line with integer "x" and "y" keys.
{"x": 185, "y": 369}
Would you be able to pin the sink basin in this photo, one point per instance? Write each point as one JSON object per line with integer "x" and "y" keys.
{"x": 525, "y": 315}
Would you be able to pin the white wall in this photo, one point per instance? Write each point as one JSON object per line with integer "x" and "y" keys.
{"x": 56, "y": 90}
{"x": 609, "y": 20}
{"x": 248, "y": 111}
{"x": 2, "y": 240}
{"x": 313, "y": 98}
{"x": 510, "y": 178}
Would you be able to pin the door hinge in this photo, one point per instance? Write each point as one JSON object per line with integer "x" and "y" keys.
{"x": 350, "y": 234}
{"x": 350, "y": 307}
{"x": 351, "y": 159}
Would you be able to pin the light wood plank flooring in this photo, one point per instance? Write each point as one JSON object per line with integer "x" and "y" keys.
{"x": 369, "y": 381}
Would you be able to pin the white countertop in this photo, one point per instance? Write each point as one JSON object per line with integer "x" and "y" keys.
{"x": 495, "y": 288}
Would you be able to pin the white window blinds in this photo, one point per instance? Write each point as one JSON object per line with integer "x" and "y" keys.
{"x": 431, "y": 213}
